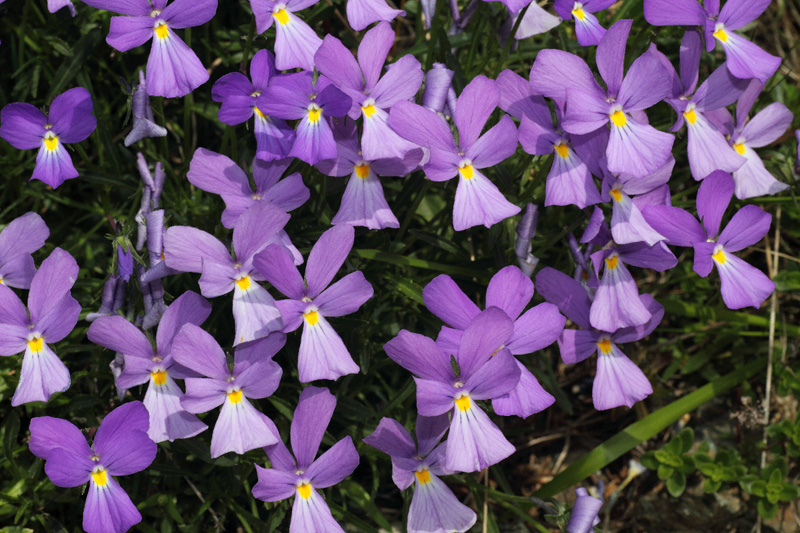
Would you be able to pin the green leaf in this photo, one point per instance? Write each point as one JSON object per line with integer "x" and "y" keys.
{"x": 686, "y": 438}
{"x": 676, "y": 485}
{"x": 645, "y": 429}
{"x": 649, "y": 460}
{"x": 766, "y": 510}
{"x": 665, "y": 472}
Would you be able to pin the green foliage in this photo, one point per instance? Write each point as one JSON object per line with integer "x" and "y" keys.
{"x": 787, "y": 431}
{"x": 726, "y": 466}
{"x": 673, "y": 461}
{"x": 770, "y": 487}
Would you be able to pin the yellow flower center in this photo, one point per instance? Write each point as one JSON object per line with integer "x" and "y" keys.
{"x": 243, "y": 283}
{"x": 562, "y": 150}
{"x": 282, "y": 16}
{"x": 368, "y": 110}
{"x": 618, "y": 118}
{"x": 259, "y": 113}
{"x": 362, "y": 171}
{"x": 36, "y": 344}
{"x": 100, "y": 478}
{"x": 612, "y": 262}
{"x": 578, "y": 13}
{"x": 311, "y": 317}
{"x": 314, "y": 113}
{"x": 616, "y": 195}
{"x": 304, "y": 491}
{"x": 162, "y": 31}
{"x": 719, "y": 257}
{"x": 721, "y": 35}
{"x": 423, "y": 476}
{"x": 604, "y": 345}
{"x": 467, "y": 172}
{"x": 739, "y": 147}
{"x": 463, "y": 403}
{"x": 235, "y": 396}
{"x": 690, "y": 116}
{"x": 159, "y": 377}
{"x": 51, "y": 142}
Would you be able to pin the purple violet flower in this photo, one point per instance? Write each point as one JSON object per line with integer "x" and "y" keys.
{"x": 434, "y": 507}
{"x": 484, "y": 373}
{"x": 584, "y": 513}
{"x": 121, "y": 447}
{"x": 143, "y": 121}
{"x": 526, "y": 230}
{"x": 438, "y": 82}
{"x": 753, "y": 179}
{"x": 297, "y": 97}
{"x": 156, "y": 367}
{"x": 707, "y": 148}
{"x": 55, "y": 5}
{"x": 173, "y": 69}
{"x": 302, "y": 475}
{"x": 618, "y": 381}
{"x": 218, "y": 174}
{"x": 240, "y": 426}
{"x": 112, "y": 299}
{"x": 588, "y": 30}
{"x": 124, "y": 261}
{"x": 363, "y": 202}
{"x": 535, "y": 21}
{"x": 575, "y": 156}
{"x": 322, "y": 353}
{"x": 478, "y": 201}
{"x": 743, "y": 285}
{"x": 188, "y": 249}
{"x": 53, "y": 313}
{"x": 510, "y": 290}
{"x": 154, "y": 222}
{"x": 362, "y": 13}
{"x": 70, "y": 121}
{"x": 18, "y": 240}
{"x": 239, "y": 95}
{"x": 634, "y": 147}
{"x": 745, "y": 60}
{"x": 295, "y": 41}
{"x": 372, "y": 95}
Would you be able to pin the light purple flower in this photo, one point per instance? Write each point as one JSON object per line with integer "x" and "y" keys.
{"x": 363, "y": 202}
{"x": 173, "y": 69}
{"x": 156, "y": 367}
{"x": 18, "y": 240}
{"x": 70, "y": 121}
{"x": 298, "y": 97}
{"x": 55, "y": 5}
{"x": 535, "y": 21}
{"x": 584, "y": 512}
{"x": 618, "y": 381}
{"x": 302, "y": 475}
{"x": 434, "y": 507}
{"x": 188, "y": 249}
{"x": 218, "y": 174}
{"x": 372, "y": 95}
{"x": 362, "y": 13}
{"x": 753, "y": 179}
{"x": 438, "y": 83}
{"x": 240, "y": 426}
{"x": 143, "y": 121}
{"x": 526, "y": 230}
{"x": 575, "y": 157}
{"x": 510, "y": 290}
{"x": 295, "y": 41}
{"x": 322, "y": 353}
{"x": 634, "y": 147}
{"x": 587, "y": 28}
{"x": 742, "y": 284}
{"x": 478, "y": 201}
{"x": 745, "y": 60}
{"x": 485, "y": 372}
{"x": 121, "y": 447}
{"x": 53, "y": 313}
{"x": 239, "y": 95}
{"x": 112, "y": 299}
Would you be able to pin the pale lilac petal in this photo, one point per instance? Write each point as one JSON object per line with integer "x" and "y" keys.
{"x": 126, "y": 33}
{"x": 674, "y": 12}
{"x": 588, "y": 30}
{"x": 498, "y": 376}
{"x": 518, "y": 99}
{"x": 274, "y": 485}
{"x": 197, "y": 350}
{"x": 185, "y": 249}
{"x": 334, "y": 465}
{"x": 494, "y": 146}
{"x": 753, "y": 179}
{"x": 334, "y": 61}
{"x": 66, "y": 468}
{"x": 401, "y": 82}
{"x": 435, "y": 508}
{"x": 119, "y": 335}
{"x": 638, "y": 149}
{"x": 364, "y": 204}
{"x": 537, "y": 328}
{"x": 616, "y": 303}
{"x": 566, "y": 293}
{"x": 56, "y": 276}
{"x": 484, "y": 335}
{"x": 295, "y": 44}
{"x": 311, "y": 417}
{"x": 768, "y": 125}
{"x": 323, "y": 354}
{"x": 71, "y": 115}
{"x": 312, "y": 515}
{"x": 128, "y": 417}
{"x": 240, "y": 428}
{"x": 535, "y": 21}
{"x": 373, "y": 50}
{"x": 327, "y": 257}
{"x": 188, "y": 308}
{"x": 260, "y": 379}
{"x": 421, "y": 126}
{"x": 479, "y": 201}
{"x": 289, "y": 193}
{"x": 628, "y": 224}
{"x": 188, "y": 13}
{"x": 703, "y": 265}
{"x": 435, "y": 398}
{"x": 109, "y": 508}
{"x": 447, "y": 301}
{"x": 713, "y": 198}
{"x": 379, "y": 140}
{"x": 586, "y": 113}
{"x": 392, "y": 438}
{"x": 618, "y": 381}
{"x": 217, "y": 279}
{"x": 362, "y": 13}
{"x": 737, "y": 13}
{"x": 255, "y": 228}
{"x": 275, "y": 263}
{"x": 48, "y": 434}
{"x": 720, "y": 89}
{"x": 123, "y": 7}
{"x": 345, "y": 296}
{"x": 555, "y": 71}
{"x": 419, "y": 355}
{"x": 746, "y": 228}
{"x": 509, "y": 290}
{"x": 203, "y": 395}
{"x": 173, "y": 69}
{"x": 746, "y": 60}
{"x": 127, "y": 452}
{"x": 527, "y": 398}
{"x": 60, "y": 321}
{"x": 570, "y": 181}
{"x": 218, "y": 174}
{"x": 645, "y": 84}
{"x": 42, "y": 374}
{"x": 611, "y": 56}
{"x": 475, "y": 442}
{"x": 168, "y": 419}
{"x": 677, "y": 225}
{"x": 476, "y": 102}
{"x": 640, "y": 332}
{"x": 743, "y": 285}
{"x": 708, "y": 150}
{"x": 255, "y": 314}
{"x": 54, "y": 167}
{"x": 576, "y": 345}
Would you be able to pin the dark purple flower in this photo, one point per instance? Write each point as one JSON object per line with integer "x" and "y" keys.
{"x": 239, "y": 95}
{"x": 322, "y": 353}
{"x": 478, "y": 201}
{"x": 302, "y": 475}
{"x": 173, "y": 69}
{"x": 70, "y": 121}
{"x": 121, "y": 447}
{"x": 51, "y": 314}
{"x": 433, "y": 507}
{"x": 742, "y": 284}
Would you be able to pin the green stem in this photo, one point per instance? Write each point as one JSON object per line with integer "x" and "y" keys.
{"x": 247, "y": 45}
